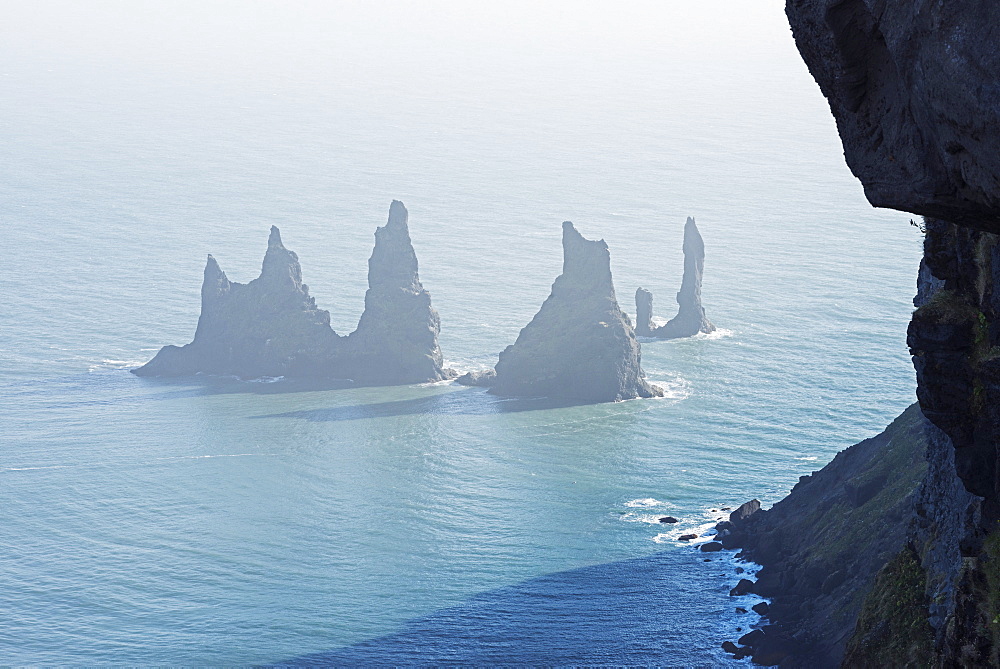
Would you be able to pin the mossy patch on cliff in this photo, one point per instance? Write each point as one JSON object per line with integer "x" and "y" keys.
{"x": 892, "y": 629}
{"x": 990, "y": 565}
{"x": 948, "y": 307}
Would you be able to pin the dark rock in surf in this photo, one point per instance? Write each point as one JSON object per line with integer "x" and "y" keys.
{"x": 690, "y": 318}
{"x": 579, "y": 345}
{"x": 744, "y": 511}
{"x": 744, "y": 587}
{"x": 669, "y": 519}
{"x": 751, "y": 638}
{"x": 711, "y": 547}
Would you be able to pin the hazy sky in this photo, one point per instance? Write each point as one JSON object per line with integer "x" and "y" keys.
{"x": 300, "y": 37}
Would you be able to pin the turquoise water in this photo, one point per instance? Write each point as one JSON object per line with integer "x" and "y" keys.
{"x": 212, "y": 521}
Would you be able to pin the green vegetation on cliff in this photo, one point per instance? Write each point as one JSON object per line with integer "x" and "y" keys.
{"x": 822, "y": 546}
{"x": 892, "y": 629}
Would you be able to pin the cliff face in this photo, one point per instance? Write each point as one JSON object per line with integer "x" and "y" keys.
{"x": 272, "y": 327}
{"x": 579, "y": 345}
{"x": 913, "y": 87}
{"x": 690, "y": 318}
{"x": 823, "y": 544}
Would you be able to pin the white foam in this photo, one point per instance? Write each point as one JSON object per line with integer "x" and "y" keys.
{"x": 430, "y": 384}
{"x": 114, "y": 364}
{"x": 645, "y": 503}
{"x": 265, "y": 379}
{"x": 650, "y": 519}
{"x": 206, "y": 457}
{"x": 719, "y": 333}
{"x": 674, "y": 387}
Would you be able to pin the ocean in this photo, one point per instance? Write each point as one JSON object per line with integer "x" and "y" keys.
{"x": 218, "y": 521}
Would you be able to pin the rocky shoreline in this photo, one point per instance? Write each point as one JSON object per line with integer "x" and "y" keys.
{"x": 820, "y": 548}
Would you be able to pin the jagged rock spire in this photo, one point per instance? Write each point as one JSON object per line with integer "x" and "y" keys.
{"x": 579, "y": 345}
{"x": 280, "y": 264}
{"x": 397, "y": 334}
{"x": 272, "y": 327}
{"x": 690, "y": 318}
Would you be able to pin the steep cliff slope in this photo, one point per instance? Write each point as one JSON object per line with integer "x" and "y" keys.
{"x": 914, "y": 89}
{"x": 823, "y": 544}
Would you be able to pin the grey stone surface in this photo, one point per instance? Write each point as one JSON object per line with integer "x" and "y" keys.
{"x": 396, "y": 339}
{"x": 580, "y": 345}
{"x": 272, "y": 327}
{"x": 690, "y": 318}
{"x": 482, "y": 379}
{"x": 913, "y": 87}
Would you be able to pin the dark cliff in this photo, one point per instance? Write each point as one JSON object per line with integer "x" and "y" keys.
{"x": 822, "y": 545}
{"x": 914, "y": 89}
{"x": 272, "y": 327}
{"x": 579, "y": 345}
{"x": 690, "y": 318}
{"x": 913, "y": 86}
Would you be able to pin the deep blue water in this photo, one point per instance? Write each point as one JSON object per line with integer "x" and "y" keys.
{"x": 214, "y": 521}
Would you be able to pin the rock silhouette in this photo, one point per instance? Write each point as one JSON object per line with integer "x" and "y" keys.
{"x": 272, "y": 327}
{"x": 579, "y": 345}
{"x": 690, "y": 318}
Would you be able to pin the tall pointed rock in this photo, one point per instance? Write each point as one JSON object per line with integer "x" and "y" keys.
{"x": 579, "y": 345}
{"x": 690, "y": 318}
{"x": 396, "y": 340}
{"x": 268, "y": 327}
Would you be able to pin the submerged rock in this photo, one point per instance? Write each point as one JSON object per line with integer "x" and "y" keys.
{"x": 580, "y": 345}
{"x": 690, "y": 318}
{"x": 272, "y": 327}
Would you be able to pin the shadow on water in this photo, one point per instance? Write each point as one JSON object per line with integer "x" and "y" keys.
{"x": 467, "y": 402}
{"x": 645, "y": 611}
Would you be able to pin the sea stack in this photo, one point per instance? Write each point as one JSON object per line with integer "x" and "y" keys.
{"x": 397, "y": 337}
{"x": 644, "y": 313}
{"x": 268, "y": 327}
{"x": 690, "y": 318}
{"x": 272, "y": 327}
{"x": 580, "y": 345}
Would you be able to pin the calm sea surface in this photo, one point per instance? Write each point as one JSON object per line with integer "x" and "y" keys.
{"x": 215, "y": 521}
